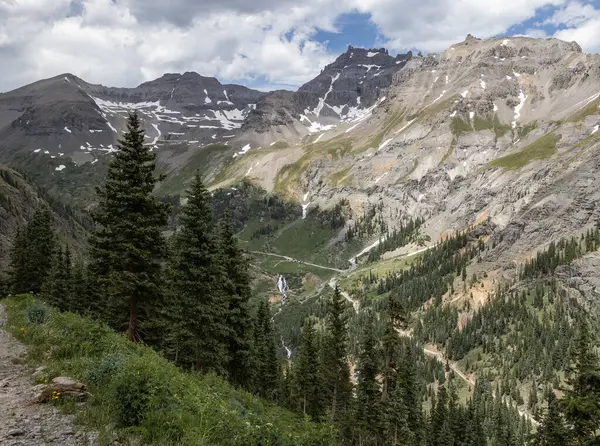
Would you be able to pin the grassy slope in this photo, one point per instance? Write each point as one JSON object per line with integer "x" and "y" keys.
{"x": 144, "y": 396}
{"x": 541, "y": 148}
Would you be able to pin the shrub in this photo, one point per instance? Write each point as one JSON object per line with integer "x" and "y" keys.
{"x": 37, "y": 313}
{"x": 105, "y": 369}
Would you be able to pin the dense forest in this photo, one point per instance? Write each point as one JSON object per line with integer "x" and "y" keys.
{"x": 189, "y": 297}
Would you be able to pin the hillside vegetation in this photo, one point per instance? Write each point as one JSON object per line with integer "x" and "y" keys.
{"x": 143, "y": 395}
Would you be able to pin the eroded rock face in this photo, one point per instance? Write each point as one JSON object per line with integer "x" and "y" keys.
{"x": 355, "y": 81}
{"x": 583, "y": 279}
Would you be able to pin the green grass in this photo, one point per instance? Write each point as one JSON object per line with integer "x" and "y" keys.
{"x": 336, "y": 177}
{"x": 280, "y": 145}
{"x": 485, "y": 123}
{"x": 391, "y": 121}
{"x": 289, "y": 176}
{"x": 458, "y": 126}
{"x": 593, "y": 108}
{"x": 448, "y": 152}
{"x": 144, "y": 398}
{"x": 203, "y": 160}
{"x": 526, "y": 129}
{"x": 541, "y": 148}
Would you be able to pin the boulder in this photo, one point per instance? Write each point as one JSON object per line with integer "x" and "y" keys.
{"x": 63, "y": 388}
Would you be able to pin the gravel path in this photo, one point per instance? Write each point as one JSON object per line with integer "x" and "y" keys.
{"x": 23, "y": 422}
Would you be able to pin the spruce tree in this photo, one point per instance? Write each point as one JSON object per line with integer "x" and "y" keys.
{"x": 266, "y": 377}
{"x": 551, "y": 430}
{"x": 396, "y": 430}
{"x": 198, "y": 307}
{"x": 338, "y": 387}
{"x": 235, "y": 284}
{"x": 18, "y": 274}
{"x": 32, "y": 253}
{"x": 308, "y": 383}
{"x": 127, "y": 246}
{"x": 410, "y": 392}
{"x": 79, "y": 293}
{"x": 581, "y": 402}
{"x": 367, "y": 415}
{"x": 391, "y": 351}
{"x": 56, "y": 287}
{"x": 41, "y": 243}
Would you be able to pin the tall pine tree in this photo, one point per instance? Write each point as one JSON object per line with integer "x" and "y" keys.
{"x": 266, "y": 376}
{"x": 551, "y": 430}
{"x": 338, "y": 387}
{"x": 127, "y": 246}
{"x": 581, "y": 402}
{"x": 32, "y": 253}
{"x": 235, "y": 284}
{"x": 197, "y": 305}
{"x": 308, "y": 379}
{"x": 368, "y": 414}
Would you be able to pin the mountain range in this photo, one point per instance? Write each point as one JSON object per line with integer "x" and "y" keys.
{"x": 505, "y": 129}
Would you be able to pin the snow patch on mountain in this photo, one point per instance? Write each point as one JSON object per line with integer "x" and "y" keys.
{"x": 243, "y": 151}
{"x": 518, "y": 107}
{"x": 157, "y": 136}
{"x": 385, "y": 143}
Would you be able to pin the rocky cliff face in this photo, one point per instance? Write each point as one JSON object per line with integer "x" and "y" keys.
{"x": 506, "y": 129}
{"x": 345, "y": 91}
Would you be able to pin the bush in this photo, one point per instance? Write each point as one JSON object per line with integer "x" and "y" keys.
{"x": 37, "y": 313}
{"x": 105, "y": 369}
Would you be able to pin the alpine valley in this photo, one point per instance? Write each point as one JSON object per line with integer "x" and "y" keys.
{"x": 455, "y": 194}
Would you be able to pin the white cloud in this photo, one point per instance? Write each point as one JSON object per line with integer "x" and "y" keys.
{"x": 581, "y": 23}
{"x": 433, "y": 25}
{"x": 269, "y": 42}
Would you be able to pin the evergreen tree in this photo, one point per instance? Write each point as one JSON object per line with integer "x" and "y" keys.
{"x": 552, "y": 429}
{"x": 338, "y": 387}
{"x": 411, "y": 393}
{"x": 32, "y": 253}
{"x": 581, "y": 403}
{"x": 57, "y": 286}
{"x": 79, "y": 292}
{"x": 197, "y": 304}
{"x": 308, "y": 379}
{"x": 367, "y": 416}
{"x": 266, "y": 377}
{"x": 18, "y": 274}
{"x": 235, "y": 284}
{"x": 127, "y": 246}
{"x": 532, "y": 402}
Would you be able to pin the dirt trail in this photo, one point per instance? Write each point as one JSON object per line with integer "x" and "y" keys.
{"x": 22, "y": 422}
{"x": 291, "y": 259}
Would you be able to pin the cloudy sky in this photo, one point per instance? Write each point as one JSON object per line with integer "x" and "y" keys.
{"x": 264, "y": 44}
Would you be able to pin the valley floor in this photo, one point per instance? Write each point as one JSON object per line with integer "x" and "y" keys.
{"x": 23, "y": 422}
